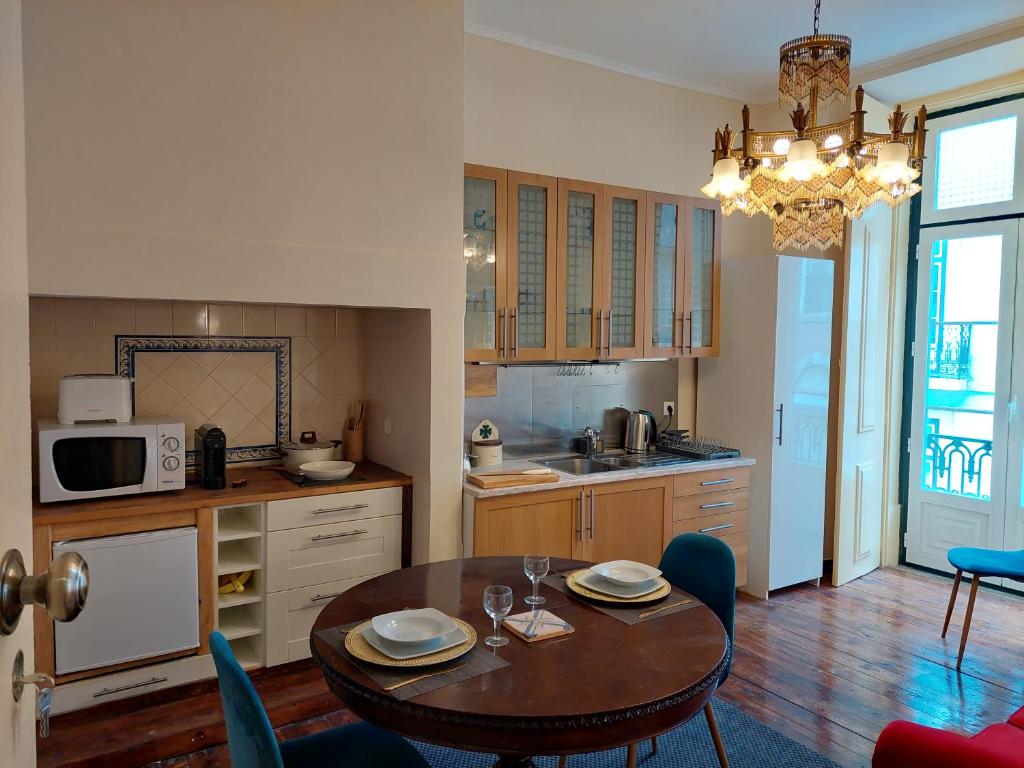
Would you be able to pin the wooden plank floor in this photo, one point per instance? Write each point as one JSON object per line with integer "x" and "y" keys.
{"x": 828, "y": 667}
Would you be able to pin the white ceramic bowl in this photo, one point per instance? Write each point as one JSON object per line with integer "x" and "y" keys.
{"x": 626, "y": 573}
{"x": 327, "y": 470}
{"x": 413, "y": 626}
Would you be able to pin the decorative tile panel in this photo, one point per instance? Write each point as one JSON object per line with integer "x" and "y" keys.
{"x": 241, "y": 384}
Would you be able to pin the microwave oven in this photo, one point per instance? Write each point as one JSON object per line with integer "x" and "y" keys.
{"x": 89, "y": 461}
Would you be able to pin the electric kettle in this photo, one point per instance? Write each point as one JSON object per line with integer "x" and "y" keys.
{"x": 641, "y": 431}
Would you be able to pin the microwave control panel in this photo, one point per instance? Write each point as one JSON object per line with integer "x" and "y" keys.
{"x": 171, "y": 456}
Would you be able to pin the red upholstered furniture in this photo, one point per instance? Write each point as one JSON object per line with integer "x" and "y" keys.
{"x": 909, "y": 745}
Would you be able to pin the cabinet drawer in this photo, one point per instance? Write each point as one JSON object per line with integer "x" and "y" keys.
{"x": 333, "y": 508}
{"x": 713, "y": 480}
{"x": 319, "y": 554}
{"x": 704, "y": 504}
{"x": 720, "y": 525}
{"x": 290, "y": 617}
{"x": 122, "y": 685}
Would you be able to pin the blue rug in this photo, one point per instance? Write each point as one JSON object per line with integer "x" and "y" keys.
{"x": 748, "y": 743}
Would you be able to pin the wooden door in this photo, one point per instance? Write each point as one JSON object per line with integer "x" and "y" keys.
{"x": 484, "y": 221}
{"x": 665, "y": 275}
{"x": 17, "y": 737}
{"x": 702, "y": 256}
{"x": 621, "y": 309}
{"x": 542, "y": 522}
{"x": 580, "y": 256}
{"x": 630, "y": 520}
{"x": 531, "y": 270}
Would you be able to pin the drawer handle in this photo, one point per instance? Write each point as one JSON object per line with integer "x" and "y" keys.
{"x": 717, "y": 504}
{"x": 108, "y": 691}
{"x": 329, "y": 510}
{"x": 321, "y": 598}
{"x": 721, "y": 527}
{"x": 322, "y": 536}
{"x": 723, "y": 481}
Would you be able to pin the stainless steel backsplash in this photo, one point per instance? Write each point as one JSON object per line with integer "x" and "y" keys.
{"x": 537, "y": 410}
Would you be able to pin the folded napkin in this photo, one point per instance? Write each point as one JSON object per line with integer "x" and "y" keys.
{"x": 537, "y": 625}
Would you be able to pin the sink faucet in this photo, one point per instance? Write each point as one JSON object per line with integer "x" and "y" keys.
{"x": 590, "y": 436}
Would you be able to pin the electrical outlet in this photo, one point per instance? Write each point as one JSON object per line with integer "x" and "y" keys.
{"x": 668, "y": 408}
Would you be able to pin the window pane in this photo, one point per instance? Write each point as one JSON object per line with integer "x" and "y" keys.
{"x": 579, "y": 304}
{"x": 478, "y": 242}
{"x": 975, "y": 164}
{"x": 533, "y": 259}
{"x": 963, "y": 330}
{"x": 663, "y": 290}
{"x": 623, "y": 271}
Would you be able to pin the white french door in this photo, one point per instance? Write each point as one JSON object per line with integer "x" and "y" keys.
{"x": 965, "y": 446}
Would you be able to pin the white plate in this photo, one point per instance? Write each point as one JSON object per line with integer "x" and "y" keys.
{"x": 626, "y": 573}
{"x": 327, "y": 470}
{"x": 600, "y": 584}
{"x": 412, "y": 626}
{"x": 406, "y": 651}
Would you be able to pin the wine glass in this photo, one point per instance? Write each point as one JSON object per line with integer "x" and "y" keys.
{"x": 536, "y": 568}
{"x": 497, "y": 604}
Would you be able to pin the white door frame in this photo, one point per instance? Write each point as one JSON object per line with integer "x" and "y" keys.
{"x": 982, "y": 522}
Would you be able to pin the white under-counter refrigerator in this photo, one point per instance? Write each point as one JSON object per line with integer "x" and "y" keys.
{"x": 143, "y": 600}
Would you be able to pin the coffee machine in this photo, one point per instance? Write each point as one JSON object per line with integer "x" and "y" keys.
{"x": 212, "y": 457}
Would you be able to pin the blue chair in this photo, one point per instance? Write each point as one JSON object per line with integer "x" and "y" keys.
{"x": 252, "y": 743}
{"x": 981, "y": 563}
{"x": 705, "y": 567}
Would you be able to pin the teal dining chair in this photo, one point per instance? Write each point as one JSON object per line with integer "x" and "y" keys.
{"x": 981, "y": 563}
{"x": 251, "y": 740}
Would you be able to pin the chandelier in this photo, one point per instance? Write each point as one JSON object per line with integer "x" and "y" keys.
{"x": 811, "y": 179}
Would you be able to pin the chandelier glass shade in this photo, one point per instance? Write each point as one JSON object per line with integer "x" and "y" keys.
{"x": 810, "y": 180}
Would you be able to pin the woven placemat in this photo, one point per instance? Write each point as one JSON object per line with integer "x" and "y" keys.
{"x": 572, "y": 581}
{"x": 677, "y": 601}
{"x": 358, "y": 646}
{"x": 405, "y": 684}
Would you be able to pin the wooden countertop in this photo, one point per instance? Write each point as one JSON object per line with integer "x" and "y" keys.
{"x": 263, "y": 485}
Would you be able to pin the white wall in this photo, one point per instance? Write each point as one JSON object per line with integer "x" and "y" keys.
{"x": 254, "y": 150}
{"x": 17, "y": 738}
{"x": 532, "y": 111}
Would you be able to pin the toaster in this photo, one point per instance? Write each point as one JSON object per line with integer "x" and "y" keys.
{"x": 94, "y": 397}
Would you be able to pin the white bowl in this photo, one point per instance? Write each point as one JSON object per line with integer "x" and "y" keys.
{"x": 413, "y": 626}
{"x": 327, "y": 470}
{"x": 626, "y": 573}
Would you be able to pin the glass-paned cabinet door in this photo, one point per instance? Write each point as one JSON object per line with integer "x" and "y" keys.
{"x": 665, "y": 275}
{"x": 580, "y": 241}
{"x": 621, "y": 315}
{"x": 703, "y": 255}
{"x": 483, "y": 241}
{"x": 532, "y": 233}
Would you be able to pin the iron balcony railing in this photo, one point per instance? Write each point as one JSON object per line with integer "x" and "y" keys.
{"x": 959, "y": 465}
{"x": 949, "y": 350}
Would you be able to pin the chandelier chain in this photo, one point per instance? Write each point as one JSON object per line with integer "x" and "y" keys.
{"x": 817, "y": 14}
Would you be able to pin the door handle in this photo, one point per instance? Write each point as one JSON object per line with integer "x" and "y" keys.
{"x": 688, "y": 339}
{"x": 502, "y": 335}
{"x": 778, "y": 437}
{"x": 579, "y": 518}
{"x": 610, "y": 332}
{"x": 711, "y": 528}
{"x": 717, "y": 504}
{"x": 61, "y": 589}
{"x": 515, "y": 331}
{"x": 131, "y": 686}
{"x": 722, "y": 481}
{"x": 325, "y": 536}
{"x": 592, "y": 513}
{"x": 321, "y": 598}
{"x": 329, "y": 510}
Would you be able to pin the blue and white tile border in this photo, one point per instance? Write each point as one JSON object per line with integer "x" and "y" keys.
{"x": 125, "y": 348}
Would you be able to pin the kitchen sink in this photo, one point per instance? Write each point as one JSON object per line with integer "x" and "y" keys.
{"x": 579, "y": 466}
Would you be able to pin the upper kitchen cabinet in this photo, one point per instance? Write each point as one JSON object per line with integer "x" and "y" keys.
{"x": 703, "y": 277}
{"x": 484, "y": 222}
{"x": 531, "y": 271}
{"x": 621, "y": 310}
{"x": 665, "y": 275}
{"x": 580, "y": 255}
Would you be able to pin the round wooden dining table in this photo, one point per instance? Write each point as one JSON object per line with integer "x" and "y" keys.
{"x": 605, "y": 685}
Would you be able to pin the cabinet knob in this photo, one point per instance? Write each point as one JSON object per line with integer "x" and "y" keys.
{"x": 61, "y": 589}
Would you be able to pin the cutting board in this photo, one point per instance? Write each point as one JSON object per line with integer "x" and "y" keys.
{"x": 510, "y": 481}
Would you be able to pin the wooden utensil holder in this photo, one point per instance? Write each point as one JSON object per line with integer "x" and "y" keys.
{"x": 352, "y": 447}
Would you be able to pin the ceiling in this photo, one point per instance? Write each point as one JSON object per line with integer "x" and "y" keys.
{"x": 730, "y": 47}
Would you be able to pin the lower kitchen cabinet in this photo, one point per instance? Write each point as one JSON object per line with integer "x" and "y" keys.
{"x": 627, "y": 520}
{"x": 608, "y": 521}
